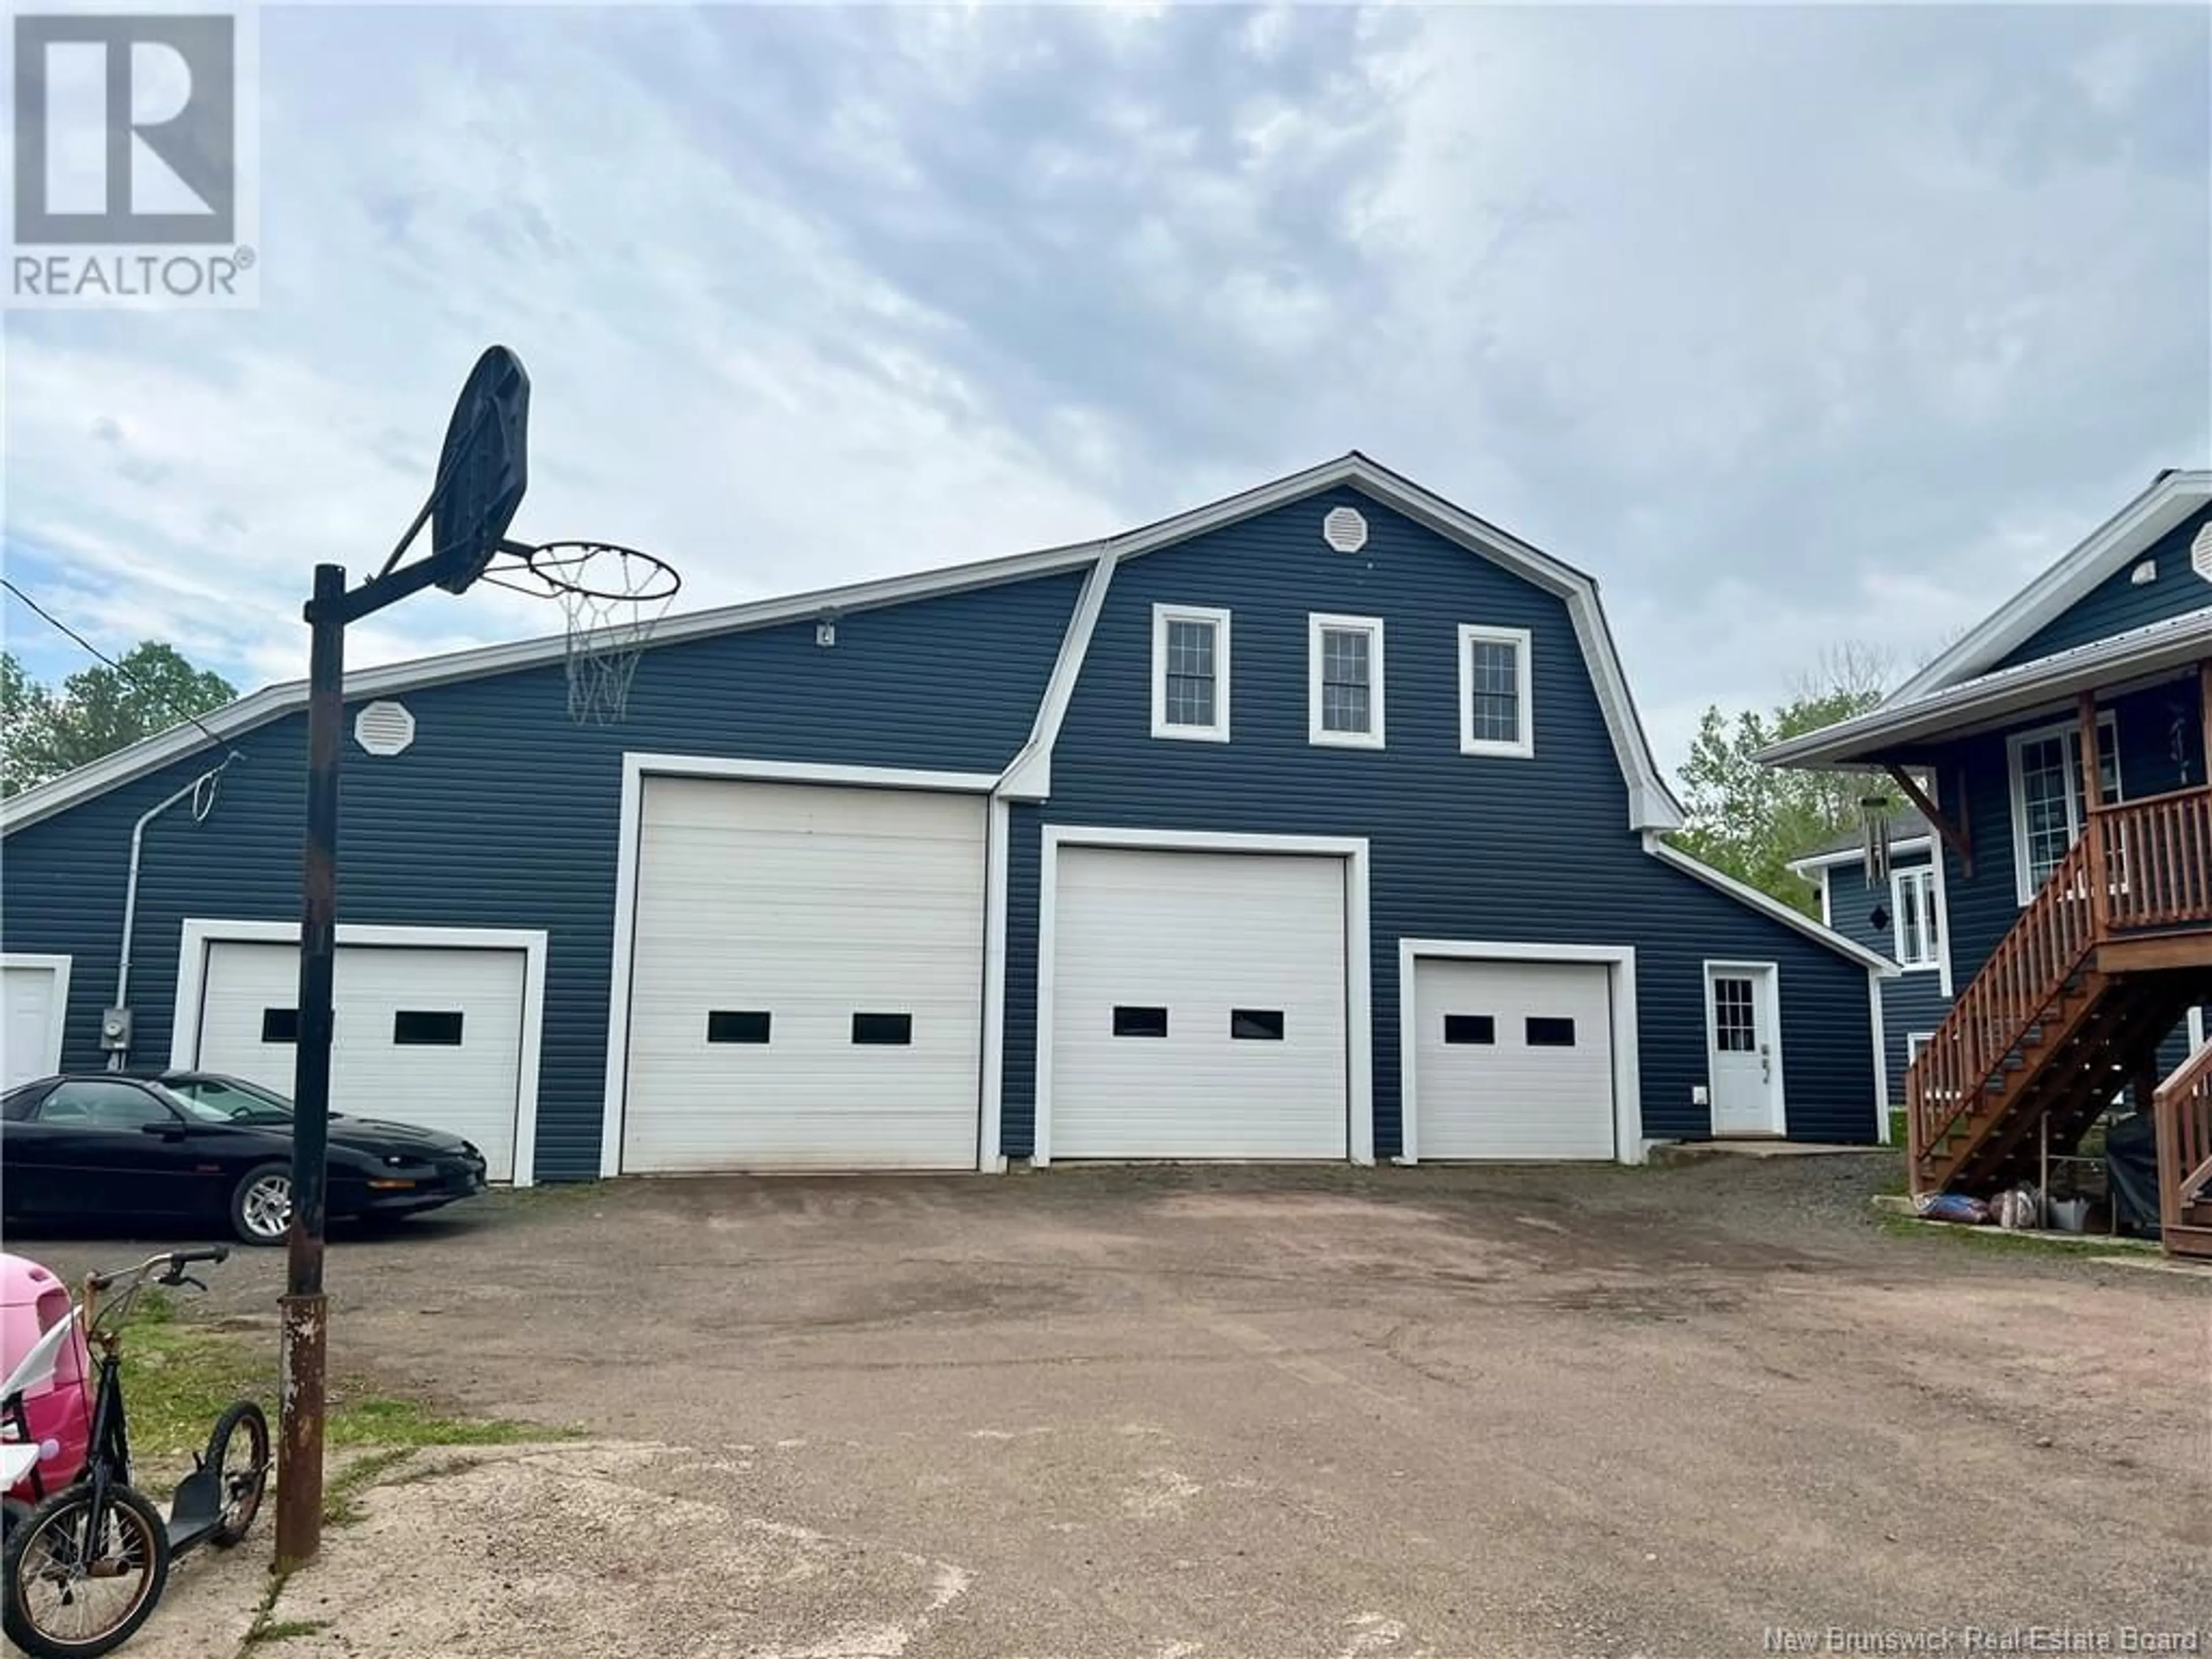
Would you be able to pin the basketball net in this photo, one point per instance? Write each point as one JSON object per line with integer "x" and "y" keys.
{"x": 612, "y": 598}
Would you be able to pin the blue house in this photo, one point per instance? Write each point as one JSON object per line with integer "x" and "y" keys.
{"x": 1900, "y": 915}
{"x": 1314, "y": 824}
{"x": 2066, "y": 740}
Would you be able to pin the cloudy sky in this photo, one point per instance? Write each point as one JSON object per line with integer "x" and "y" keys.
{"x": 1792, "y": 326}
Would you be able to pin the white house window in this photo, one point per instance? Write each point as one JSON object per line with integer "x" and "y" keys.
{"x": 2047, "y": 812}
{"x": 1495, "y": 716}
{"x": 1344, "y": 681}
{"x": 1914, "y": 1043}
{"x": 1190, "y": 673}
{"x": 1918, "y": 931}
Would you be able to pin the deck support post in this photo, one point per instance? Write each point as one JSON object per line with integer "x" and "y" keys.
{"x": 2092, "y": 802}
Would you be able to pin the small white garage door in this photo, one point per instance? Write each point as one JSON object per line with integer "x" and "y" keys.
{"x": 1514, "y": 1060}
{"x": 1198, "y": 1005}
{"x": 807, "y": 978}
{"x": 427, "y": 1035}
{"x": 32, "y": 995}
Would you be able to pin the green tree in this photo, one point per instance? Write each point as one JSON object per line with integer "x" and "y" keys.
{"x": 1750, "y": 820}
{"x": 97, "y": 710}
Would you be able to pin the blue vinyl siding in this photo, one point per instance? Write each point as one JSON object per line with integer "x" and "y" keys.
{"x": 502, "y": 814}
{"x": 2118, "y": 602}
{"x": 1462, "y": 847}
{"x": 1914, "y": 1000}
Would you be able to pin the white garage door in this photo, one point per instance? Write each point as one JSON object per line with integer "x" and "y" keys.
{"x": 30, "y": 1046}
{"x": 427, "y": 1035}
{"x": 807, "y": 978}
{"x": 1514, "y": 1059}
{"x": 1198, "y": 1005}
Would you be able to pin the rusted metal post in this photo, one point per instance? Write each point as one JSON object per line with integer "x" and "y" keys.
{"x": 305, "y": 1313}
{"x": 2093, "y": 800}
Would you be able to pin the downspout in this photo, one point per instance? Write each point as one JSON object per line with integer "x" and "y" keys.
{"x": 203, "y": 804}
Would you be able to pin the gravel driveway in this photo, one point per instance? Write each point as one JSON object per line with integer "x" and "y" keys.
{"x": 1173, "y": 1413}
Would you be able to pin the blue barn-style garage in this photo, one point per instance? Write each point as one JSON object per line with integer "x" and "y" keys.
{"x": 1314, "y": 824}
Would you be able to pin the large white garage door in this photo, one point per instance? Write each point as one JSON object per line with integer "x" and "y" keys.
{"x": 1514, "y": 1060}
{"x": 1198, "y": 1005}
{"x": 427, "y": 1035}
{"x": 807, "y": 978}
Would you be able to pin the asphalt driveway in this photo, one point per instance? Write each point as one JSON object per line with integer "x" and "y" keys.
{"x": 1241, "y": 1413}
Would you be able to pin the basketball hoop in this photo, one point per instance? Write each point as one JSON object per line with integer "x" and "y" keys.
{"x": 613, "y": 598}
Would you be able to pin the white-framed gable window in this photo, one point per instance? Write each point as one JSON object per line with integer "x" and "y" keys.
{"x": 1496, "y": 715}
{"x": 1344, "y": 681}
{"x": 2047, "y": 811}
{"x": 1916, "y": 928}
{"x": 1190, "y": 672}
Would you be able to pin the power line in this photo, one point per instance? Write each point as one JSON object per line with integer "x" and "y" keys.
{"x": 61, "y": 627}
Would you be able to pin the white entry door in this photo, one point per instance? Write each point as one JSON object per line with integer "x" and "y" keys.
{"x": 35, "y": 993}
{"x": 1744, "y": 1052}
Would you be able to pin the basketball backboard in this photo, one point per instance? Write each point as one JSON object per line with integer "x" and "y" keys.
{"x": 482, "y": 470}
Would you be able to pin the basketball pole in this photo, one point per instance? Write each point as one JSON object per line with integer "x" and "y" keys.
{"x": 306, "y": 1321}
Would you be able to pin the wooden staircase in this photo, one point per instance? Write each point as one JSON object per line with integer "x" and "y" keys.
{"x": 2071, "y": 1009}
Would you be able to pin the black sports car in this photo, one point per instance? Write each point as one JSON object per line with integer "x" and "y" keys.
{"x": 197, "y": 1144}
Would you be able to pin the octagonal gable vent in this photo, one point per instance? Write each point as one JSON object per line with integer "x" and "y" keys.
{"x": 1344, "y": 528}
{"x": 2200, "y": 553}
{"x": 384, "y": 728}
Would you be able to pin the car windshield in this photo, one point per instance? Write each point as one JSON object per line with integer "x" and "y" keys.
{"x": 228, "y": 1101}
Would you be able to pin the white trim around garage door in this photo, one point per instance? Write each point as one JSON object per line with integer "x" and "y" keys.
{"x": 637, "y": 767}
{"x": 200, "y": 932}
{"x": 58, "y": 1016}
{"x": 1628, "y": 1069}
{"x": 1359, "y": 1030}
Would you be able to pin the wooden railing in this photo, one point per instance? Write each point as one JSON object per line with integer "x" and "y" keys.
{"x": 2183, "y": 1111}
{"x": 2000, "y": 1003}
{"x": 2158, "y": 859}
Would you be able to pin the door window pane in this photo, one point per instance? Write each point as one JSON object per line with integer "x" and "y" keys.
{"x": 101, "y": 1105}
{"x": 1735, "y": 1024}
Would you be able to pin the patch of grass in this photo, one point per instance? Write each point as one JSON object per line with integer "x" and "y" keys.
{"x": 1897, "y": 1129}
{"x": 1998, "y": 1239}
{"x": 374, "y": 1420}
{"x": 178, "y": 1378}
{"x": 339, "y": 1508}
{"x": 284, "y": 1629}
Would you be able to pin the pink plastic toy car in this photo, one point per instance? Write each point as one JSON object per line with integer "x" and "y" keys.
{"x": 45, "y": 1402}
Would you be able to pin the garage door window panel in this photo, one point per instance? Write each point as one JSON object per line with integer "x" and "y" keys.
{"x": 1471, "y": 1029}
{"x": 1190, "y": 673}
{"x": 1135, "y": 1020}
{"x": 883, "y": 1030}
{"x": 1343, "y": 691}
{"x": 280, "y": 1025}
{"x": 426, "y": 1028}
{"x": 750, "y": 1025}
{"x": 1255, "y": 1025}
{"x": 1549, "y": 1031}
{"x": 1496, "y": 716}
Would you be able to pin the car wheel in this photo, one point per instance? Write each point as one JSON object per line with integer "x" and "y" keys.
{"x": 261, "y": 1205}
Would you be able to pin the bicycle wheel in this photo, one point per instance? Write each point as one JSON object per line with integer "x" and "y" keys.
{"x": 76, "y": 1589}
{"x": 237, "y": 1452}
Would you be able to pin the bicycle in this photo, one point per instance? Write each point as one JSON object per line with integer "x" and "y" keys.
{"x": 86, "y": 1565}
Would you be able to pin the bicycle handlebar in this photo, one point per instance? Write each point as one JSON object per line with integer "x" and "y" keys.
{"x": 174, "y": 1261}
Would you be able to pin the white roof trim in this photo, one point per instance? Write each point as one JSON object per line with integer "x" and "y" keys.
{"x": 1805, "y": 866}
{"x": 1028, "y": 776}
{"x": 2113, "y": 545}
{"x": 1651, "y": 805}
{"x": 1873, "y": 962}
{"x": 2165, "y": 647}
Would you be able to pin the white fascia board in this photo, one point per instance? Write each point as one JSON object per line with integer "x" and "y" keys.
{"x": 1768, "y": 905}
{"x": 1028, "y": 776}
{"x": 2110, "y": 546}
{"x": 1814, "y": 863}
{"x": 2108, "y": 665}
